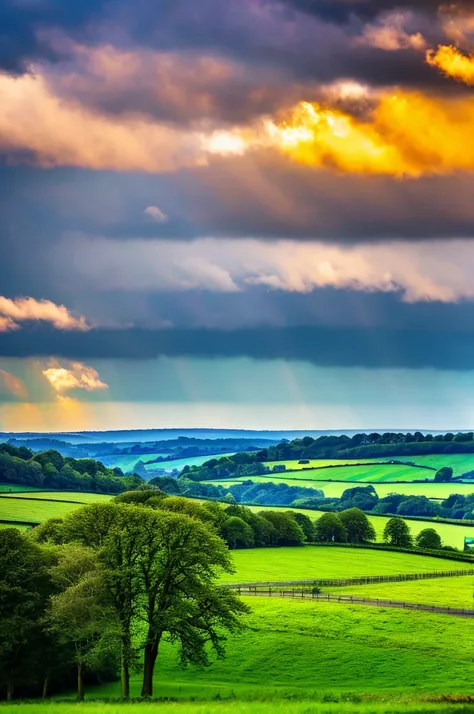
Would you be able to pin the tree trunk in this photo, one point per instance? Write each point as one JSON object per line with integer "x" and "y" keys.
{"x": 9, "y": 691}
{"x": 45, "y": 686}
{"x": 151, "y": 653}
{"x": 125, "y": 675}
{"x": 80, "y": 684}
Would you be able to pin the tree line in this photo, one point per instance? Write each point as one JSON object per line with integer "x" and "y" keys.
{"x": 359, "y": 446}
{"x": 50, "y": 470}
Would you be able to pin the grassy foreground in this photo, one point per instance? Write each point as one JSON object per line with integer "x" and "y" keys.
{"x": 317, "y": 649}
{"x": 306, "y": 562}
{"x": 232, "y": 707}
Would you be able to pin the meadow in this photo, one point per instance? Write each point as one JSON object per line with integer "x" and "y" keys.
{"x": 335, "y": 489}
{"x": 461, "y": 463}
{"x": 451, "y": 534}
{"x": 306, "y": 649}
{"x": 451, "y": 592}
{"x": 38, "y": 506}
{"x": 126, "y": 462}
{"x": 307, "y": 562}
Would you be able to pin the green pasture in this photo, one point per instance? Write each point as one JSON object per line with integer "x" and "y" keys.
{"x": 452, "y": 535}
{"x": 461, "y": 463}
{"x": 334, "y": 489}
{"x": 22, "y": 508}
{"x": 274, "y": 706}
{"x": 308, "y": 562}
{"x": 126, "y": 462}
{"x": 307, "y": 649}
{"x": 75, "y": 496}
{"x": 449, "y": 592}
{"x": 372, "y": 474}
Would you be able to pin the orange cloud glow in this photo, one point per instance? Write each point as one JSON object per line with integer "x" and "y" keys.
{"x": 408, "y": 134}
{"x": 75, "y": 376}
{"x": 19, "y": 310}
{"x": 452, "y": 63}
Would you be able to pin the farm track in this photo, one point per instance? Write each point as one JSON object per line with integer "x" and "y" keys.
{"x": 350, "y": 600}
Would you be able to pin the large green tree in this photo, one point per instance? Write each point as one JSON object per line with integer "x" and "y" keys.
{"x": 397, "y": 532}
{"x": 428, "y": 538}
{"x": 329, "y": 528}
{"x": 80, "y": 615}
{"x": 358, "y": 527}
{"x": 25, "y": 587}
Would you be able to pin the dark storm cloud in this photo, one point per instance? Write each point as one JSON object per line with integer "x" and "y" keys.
{"x": 341, "y": 10}
{"x": 325, "y": 347}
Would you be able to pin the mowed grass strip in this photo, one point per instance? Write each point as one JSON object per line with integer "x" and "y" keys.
{"x": 307, "y": 562}
{"x": 305, "y": 648}
{"x": 449, "y": 592}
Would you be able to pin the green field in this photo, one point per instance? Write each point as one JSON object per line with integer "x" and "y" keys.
{"x": 312, "y": 648}
{"x": 307, "y": 562}
{"x": 355, "y": 472}
{"x": 76, "y": 496}
{"x": 334, "y": 489}
{"x": 22, "y": 508}
{"x": 461, "y": 463}
{"x": 241, "y": 707}
{"x": 450, "y": 592}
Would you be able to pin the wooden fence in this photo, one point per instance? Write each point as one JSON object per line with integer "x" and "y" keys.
{"x": 302, "y": 594}
{"x": 341, "y": 582}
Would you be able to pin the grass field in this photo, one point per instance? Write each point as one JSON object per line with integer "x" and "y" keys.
{"x": 22, "y": 508}
{"x": 78, "y": 496}
{"x": 334, "y": 489}
{"x": 452, "y": 592}
{"x": 310, "y": 648}
{"x": 461, "y": 463}
{"x": 306, "y": 562}
{"x": 372, "y": 473}
{"x": 450, "y": 534}
{"x": 240, "y": 707}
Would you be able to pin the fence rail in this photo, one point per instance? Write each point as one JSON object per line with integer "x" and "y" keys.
{"x": 341, "y": 582}
{"x": 301, "y": 594}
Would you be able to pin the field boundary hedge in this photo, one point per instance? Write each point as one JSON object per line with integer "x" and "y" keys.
{"x": 447, "y": 555}
{"x": 342, "y": 582}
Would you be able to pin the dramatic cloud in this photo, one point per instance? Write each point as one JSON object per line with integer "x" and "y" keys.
{"x": 452, "y": 63}
{"x": 13, "y": 385}
{"x": 389, "y": 34}
{"x": 15, "y": 311}
{"x": 74, "y": 376}
{"x": 433, "y": 271}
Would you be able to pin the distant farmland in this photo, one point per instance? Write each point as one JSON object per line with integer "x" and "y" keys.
{"x": 461, "y": 463}
{"x": 334, "y": 489}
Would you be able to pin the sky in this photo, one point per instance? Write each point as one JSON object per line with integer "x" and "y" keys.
{"x": 236, "y": 213}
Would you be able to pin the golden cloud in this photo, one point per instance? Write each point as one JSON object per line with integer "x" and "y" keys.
{"x": 12, "y": 312}
{"x": 75, "y": 376}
